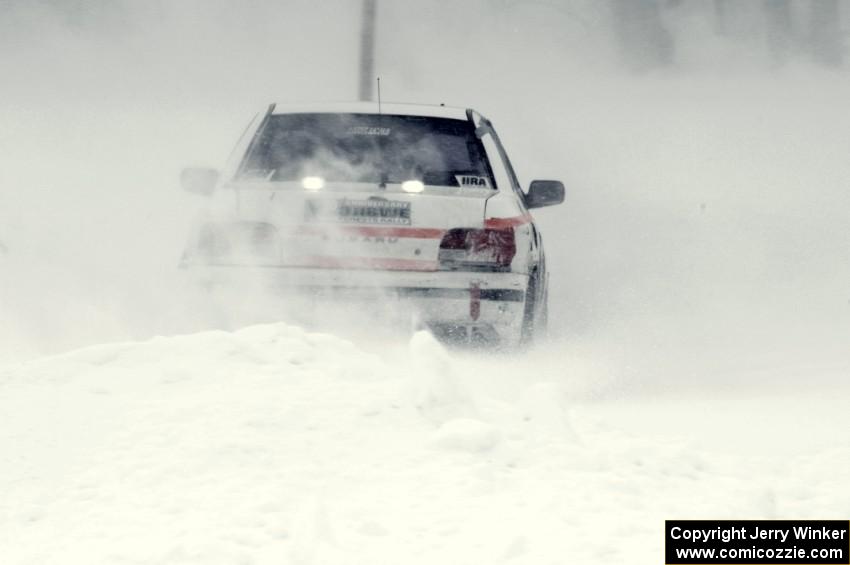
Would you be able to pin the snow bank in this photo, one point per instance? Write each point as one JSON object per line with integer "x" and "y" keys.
{"x": 275, "y": 445}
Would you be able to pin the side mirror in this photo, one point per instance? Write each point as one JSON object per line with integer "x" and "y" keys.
{"x": 544, "y": 193}
{"x": 200, "y": 180}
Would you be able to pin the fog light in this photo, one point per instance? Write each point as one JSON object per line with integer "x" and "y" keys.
{"x": 313, "y": 183}
{"x": 412, "y": 186}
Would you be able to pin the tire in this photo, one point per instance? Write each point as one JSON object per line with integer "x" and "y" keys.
{"x": 530, "y": 320}
{"x": 541, "y": 330}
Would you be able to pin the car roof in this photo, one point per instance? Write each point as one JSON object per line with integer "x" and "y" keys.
{"x": 390, "y": 108}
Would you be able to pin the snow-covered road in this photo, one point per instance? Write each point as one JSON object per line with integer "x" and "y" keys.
{"x": 274, "y": 445}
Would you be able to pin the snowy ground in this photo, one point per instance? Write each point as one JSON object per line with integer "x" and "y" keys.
{"x": 274, "y": 445}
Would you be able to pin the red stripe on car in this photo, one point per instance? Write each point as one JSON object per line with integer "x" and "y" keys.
{"x": 374, "y": 231}
{"x": 503, "y": 223}
{"x": 326, "y": 262}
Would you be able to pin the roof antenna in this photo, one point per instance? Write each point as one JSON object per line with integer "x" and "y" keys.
{"x": 384, "y": 177}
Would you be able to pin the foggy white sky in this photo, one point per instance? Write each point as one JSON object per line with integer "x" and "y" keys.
{"x": 707, "y": 202}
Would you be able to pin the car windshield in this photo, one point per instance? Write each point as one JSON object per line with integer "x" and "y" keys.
{"x": 368, "y": 148}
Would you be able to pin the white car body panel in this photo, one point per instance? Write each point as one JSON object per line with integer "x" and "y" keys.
{"x": 284, "y": 206}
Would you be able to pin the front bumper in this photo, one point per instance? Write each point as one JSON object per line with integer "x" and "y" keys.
{"x": 477, "y": 307}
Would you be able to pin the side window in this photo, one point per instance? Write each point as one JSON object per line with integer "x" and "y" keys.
{"x": 500, "y": 171}
{"x": 508, "y": 166}
{"x": 506, "y": 178}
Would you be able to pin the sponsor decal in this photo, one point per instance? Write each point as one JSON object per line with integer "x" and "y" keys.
{"x": 368, "y": 130}
{"x": 395, "y": 217}
{"x": 373, "y": 211}
{"x": 472, "y": 181}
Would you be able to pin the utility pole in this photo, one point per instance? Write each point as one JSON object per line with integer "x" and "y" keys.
{"x": 825, "y": 34}
{"x": 367, "y": 50}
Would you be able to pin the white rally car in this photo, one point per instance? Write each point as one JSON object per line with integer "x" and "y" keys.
{"x": 414, "y": 202}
